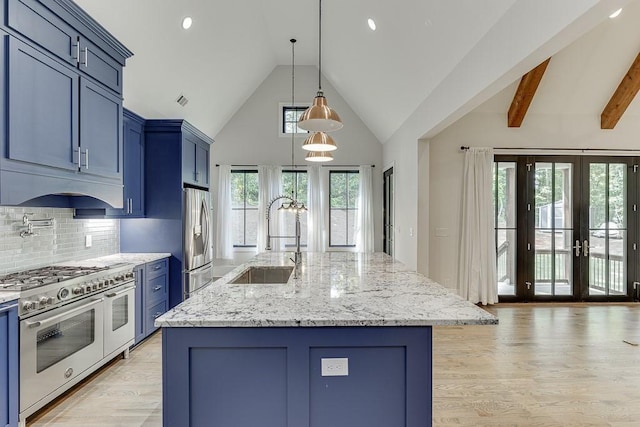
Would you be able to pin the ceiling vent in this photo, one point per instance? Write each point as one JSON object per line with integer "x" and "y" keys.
{"x": 182, "y": 100}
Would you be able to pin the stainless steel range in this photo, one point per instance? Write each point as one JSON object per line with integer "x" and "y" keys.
{"x": 72, "y": 321}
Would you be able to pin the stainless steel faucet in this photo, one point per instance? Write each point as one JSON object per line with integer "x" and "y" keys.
{"x": 298, "y": 207}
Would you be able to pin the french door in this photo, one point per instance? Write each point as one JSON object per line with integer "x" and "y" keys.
{"x": 566, "y": 228}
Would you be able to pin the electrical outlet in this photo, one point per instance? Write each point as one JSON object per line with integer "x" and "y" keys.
{"x": 88, "y": 241}
{"x": 335, "y": 367}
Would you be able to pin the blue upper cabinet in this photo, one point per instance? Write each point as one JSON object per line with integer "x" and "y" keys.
{"x": 100, "y": 131}
{"x": 133, "y": 174}
{"x": 62, "y": 85}
{"x": 52, "y": 139}
{"x": 193, "y": 148}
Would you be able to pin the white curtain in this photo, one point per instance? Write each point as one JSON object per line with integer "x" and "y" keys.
{"x": 477, "y": 265}
{"x": 317, "y": 179}
{"x": 224, "y": 240}
{"x": 270, "y": 186}
{"x": 364, "y": 223}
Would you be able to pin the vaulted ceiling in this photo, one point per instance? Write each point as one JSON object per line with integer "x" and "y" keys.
{"x": 385, "y": 76}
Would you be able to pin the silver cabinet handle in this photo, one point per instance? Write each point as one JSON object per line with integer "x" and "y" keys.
{"x": 86, "y": 57}
{"x": 585, "y": 248}
{"x": 158, "y": 314}
{"x": 157, "y": 288}
{"x": 157, "y": 267}
{"x": 86, "y": 159}
{"x": 528, "y": 285}
{"x": 577, "y": 247}
{"x": 77, "y": 57}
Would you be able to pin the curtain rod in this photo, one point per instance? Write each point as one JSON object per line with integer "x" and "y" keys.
{"x": 300, "y": 166}
{"x": 582, "y": 150}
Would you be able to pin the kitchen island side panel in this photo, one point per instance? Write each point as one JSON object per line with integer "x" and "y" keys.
{"x": 217, "y": 376}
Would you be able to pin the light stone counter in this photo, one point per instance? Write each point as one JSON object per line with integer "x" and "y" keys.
{"x": 334, "y": 289}
{"x": 128, "y": 258}
{"x": 6, "y": 296}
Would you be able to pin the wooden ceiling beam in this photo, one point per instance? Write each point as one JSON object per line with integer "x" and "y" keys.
{"x": 524, "y": 95}
{"x": 622, "y": 97}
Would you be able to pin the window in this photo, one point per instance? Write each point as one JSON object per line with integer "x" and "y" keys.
{"x": 343, "y": 207}
{"x": 244, "y": 206}
{"x": 295, "y": 182}
{"x": 290, "y": 117}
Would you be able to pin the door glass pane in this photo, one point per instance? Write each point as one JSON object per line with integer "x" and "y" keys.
{"x": 504, "y": 184}
{"x": 553, "y": 261}
{"x": 607, "y": 229}
{"x": 120, "y": 314}
{"x": 62, "y": 339}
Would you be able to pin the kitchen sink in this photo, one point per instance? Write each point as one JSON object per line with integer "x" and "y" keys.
{"x": 264, "y": 275}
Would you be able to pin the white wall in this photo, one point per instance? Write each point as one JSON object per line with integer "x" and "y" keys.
{"x": 252, "y": 137}
{"x": 481, "y": 129}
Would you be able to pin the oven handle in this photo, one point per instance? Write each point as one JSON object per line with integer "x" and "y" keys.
{"x": 67, "y": 313}
{"x": 113, "y": 294}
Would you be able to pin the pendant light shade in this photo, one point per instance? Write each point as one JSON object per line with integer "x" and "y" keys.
{"x": 320, "y": 117}
{"x": 319, "y": 141}
{"x": 319, "y": 156}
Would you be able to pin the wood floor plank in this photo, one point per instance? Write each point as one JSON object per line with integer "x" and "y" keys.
{"x": 543, "y": 365}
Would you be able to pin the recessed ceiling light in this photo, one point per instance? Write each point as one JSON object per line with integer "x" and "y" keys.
{"x": 372, "y": 24}
{"x": 616, "y": 13}
{"x": 186, "y": 22}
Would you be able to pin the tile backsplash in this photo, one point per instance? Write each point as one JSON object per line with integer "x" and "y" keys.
{"x": 65, "y": 241}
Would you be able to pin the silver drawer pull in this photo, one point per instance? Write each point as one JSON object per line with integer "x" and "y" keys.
{"x": 157, "y": 288}
{"x": 158, "y": 314}
{"x": 157, "y": 267}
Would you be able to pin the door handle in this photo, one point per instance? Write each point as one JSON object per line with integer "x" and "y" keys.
{"x": 577, "y": 247}
{"x": 585, "y": 246}
{"x": 528, "y": 285}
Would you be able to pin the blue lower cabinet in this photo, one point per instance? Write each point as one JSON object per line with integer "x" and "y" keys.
{"x": 152, "y": 283}
{"x": 9, "y": 364}
{"x": 273, "y": 377}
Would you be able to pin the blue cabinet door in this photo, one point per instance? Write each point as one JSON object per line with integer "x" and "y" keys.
{"x": 96, "y": 63}
{"x": 140, "y": 331}
{"x": 188, "y": 160}
{"x": 100, "y": 131}
{"x": 134, "y": 168}
{"x": 43, "y": 109}
{"x": 202, "y": 165}
{"x": 9, "y": 364}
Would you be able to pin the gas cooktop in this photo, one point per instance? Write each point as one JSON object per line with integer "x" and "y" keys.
{"x": 29, "y": 279}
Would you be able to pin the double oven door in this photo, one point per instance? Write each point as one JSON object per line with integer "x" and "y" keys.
{"x": 59, "y": 346}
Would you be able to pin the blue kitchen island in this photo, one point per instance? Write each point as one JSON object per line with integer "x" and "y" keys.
{"x": 346, "y": 343}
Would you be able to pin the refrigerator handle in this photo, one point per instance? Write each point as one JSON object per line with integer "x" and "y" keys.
{"x": 205, "y": 226}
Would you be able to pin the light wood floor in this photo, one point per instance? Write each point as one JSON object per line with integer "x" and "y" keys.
{"x": 544, "y": 365}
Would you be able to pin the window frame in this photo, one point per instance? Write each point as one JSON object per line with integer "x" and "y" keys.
{"x": 283, "y": 107}
{"x": 244, "y": 208}
{"x": 330, "y": 208}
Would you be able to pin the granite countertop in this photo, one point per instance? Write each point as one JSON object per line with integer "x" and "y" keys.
{"x": 128, "y": 258}
{"x": 6, "y": 296}
{"x": 334, "y": 289}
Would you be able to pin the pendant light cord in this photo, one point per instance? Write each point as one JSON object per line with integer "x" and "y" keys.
{"x": 293, "y": 105}
{"x": 319, "y": 45}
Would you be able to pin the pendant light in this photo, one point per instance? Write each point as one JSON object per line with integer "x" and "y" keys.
{"x": 320, "y": 117}
{"x": 319, "y": 156}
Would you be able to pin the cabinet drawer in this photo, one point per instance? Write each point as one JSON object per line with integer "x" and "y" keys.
{"x": 153, "y": 313}
{"x": 156, "y": 268}
{"x": 96, "y": 63}
{"x": 156, "y": 289}
{"x": 33, "y": 20}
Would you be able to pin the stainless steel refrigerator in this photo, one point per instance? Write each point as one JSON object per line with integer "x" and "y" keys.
{"x": 197, "y": 241}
